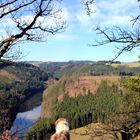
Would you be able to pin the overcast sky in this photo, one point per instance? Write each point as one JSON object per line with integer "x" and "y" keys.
{"x": 73, "y": 43}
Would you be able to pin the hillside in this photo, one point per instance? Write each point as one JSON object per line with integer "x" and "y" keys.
{"x": 18, "y": 82}
{"x": 98, "y": 131}
{"x": 72, "y": 86}
{"x": 101, "y": 105}
{"x": 77, "y": 78}
{"x": 89, "y": 93}
{"x": 58, "y": 69}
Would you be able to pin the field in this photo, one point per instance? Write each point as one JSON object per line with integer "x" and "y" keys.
{"x": 129, "y": 64}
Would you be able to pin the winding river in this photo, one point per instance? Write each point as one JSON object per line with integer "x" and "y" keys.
{"x": 24, "y": 121}
{"x": 29, "y": 112}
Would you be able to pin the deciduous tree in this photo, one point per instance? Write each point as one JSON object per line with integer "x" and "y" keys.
{"x": 124, "y": 39}
{"x": 27, "y": 20}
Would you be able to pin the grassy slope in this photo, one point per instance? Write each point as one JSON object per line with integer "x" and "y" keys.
{"x": 94, "y": 130}
{"x": 129, "y": 64}
{"x": 6, "y": 77}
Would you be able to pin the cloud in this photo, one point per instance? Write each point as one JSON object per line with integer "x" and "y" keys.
{"x": 111, "y": 12}
{"x": 64, "y": 37}
{"x": 84, "y": 19}
{"x": 59, "y": 15}
{"x": 111, "y": 19}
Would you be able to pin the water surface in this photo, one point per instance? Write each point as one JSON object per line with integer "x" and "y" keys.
{"x": 24, "y": 121}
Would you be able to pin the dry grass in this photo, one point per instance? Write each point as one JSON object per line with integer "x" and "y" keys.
{"x": 87, "y": 83}
{"x": 129, "y": 64}
{"x": 94, "y": 131}
{"x": 4, "y": 73}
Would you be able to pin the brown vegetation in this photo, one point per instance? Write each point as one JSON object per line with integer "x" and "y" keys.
{"x": 127, "y": 64}
{"x": 72, "y": 87}
{"x": 4, "y": 73}
{"x": 96, "y": 131}
{"x": 85, "y": 84}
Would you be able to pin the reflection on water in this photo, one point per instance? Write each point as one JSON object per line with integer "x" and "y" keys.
{"x": 32, "y": 102}
{"x": 24, "y": 120}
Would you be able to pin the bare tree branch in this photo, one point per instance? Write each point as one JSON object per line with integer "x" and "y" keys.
{"x": 7, "y": 3}
{"x": 32, "y": 21}
{"x": 15, "y": 8}
{"x": 126, "y": 40}
{"x": 88, "y": 4}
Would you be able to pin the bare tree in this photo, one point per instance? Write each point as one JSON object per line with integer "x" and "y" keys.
{"x": 125, "y": 39}
{"x": 88, "y": 6}
{"x": 28, "y": 20}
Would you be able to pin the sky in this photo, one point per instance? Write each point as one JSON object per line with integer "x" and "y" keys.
{"x": 75, "y": 42}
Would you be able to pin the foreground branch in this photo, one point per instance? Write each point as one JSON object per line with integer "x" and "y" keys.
{"x": 32, "y": 21}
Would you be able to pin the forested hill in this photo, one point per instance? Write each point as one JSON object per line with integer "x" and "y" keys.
{"x": 82, "y": 77}
{"x": 58, "y": 69}
{"x": 90, "y": 93}
{"x": 18, "y": 82}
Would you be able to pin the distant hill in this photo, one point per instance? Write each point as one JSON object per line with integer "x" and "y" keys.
{"x": 58, "y": 69}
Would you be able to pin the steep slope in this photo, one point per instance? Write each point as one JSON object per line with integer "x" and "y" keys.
{"x": 82, "y": 80}
{"x": 72, "y": 86}
{"x": 79, "y": 78}
{"x": 18, "y": 82}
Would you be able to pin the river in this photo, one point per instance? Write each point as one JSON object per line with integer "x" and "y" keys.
{"x": 28, "y": 114}
{"x": 24, "y": 121}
